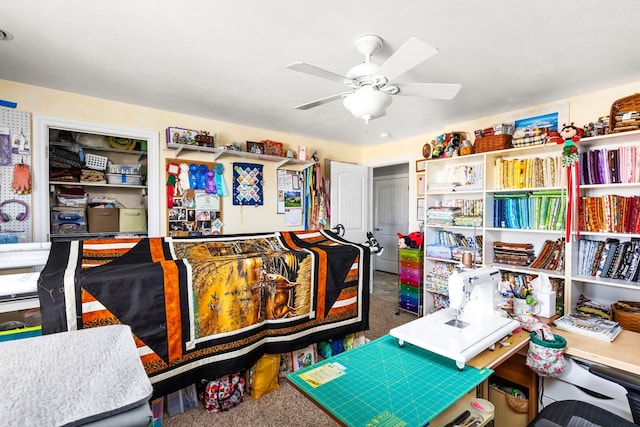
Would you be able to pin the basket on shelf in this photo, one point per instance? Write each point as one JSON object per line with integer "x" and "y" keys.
{"x": 625, "y": 114}
{"x": 96, "y": 162}
{"x": 124, "y": 179}
{"x": 627, "y": 314}
{"x": 493, "y": 143}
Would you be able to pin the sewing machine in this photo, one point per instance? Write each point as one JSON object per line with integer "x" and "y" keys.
{"x": 469, "y": 326}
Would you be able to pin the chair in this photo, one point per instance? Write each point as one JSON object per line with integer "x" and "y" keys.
{"x": 572, "y": 413}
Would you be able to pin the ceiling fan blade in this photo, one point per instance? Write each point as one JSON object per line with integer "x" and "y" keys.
{"x": 410, "y": 54}
{"x": 317, "y": 71}
{"x": 444, "y": 91}
{"x": 320, "y": 101}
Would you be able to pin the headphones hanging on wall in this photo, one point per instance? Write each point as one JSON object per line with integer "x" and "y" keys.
{"x": 20, "y": 217}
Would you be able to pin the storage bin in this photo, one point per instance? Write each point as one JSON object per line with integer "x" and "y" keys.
{"x": 68, "y": 220}
{"x": 510, "y": 411}
{"x": 124, "y": 169}
{"x": 93, "y": 161}
{"x": 71, "y": 200}
{"x": 104, "y": 220}
{"x": 415, "y": 275}
{"x": 62, "y": 214}
{"x": 409, "y": 282}
{"x": 411, "y": 272}
{"x": 412, "y": 255}
{"x": 124, "y": 179}
{"x": 410, "y": 264}
{"x": 133, "y": 220}
{"x": 181, "y": 400}
{"x": 409, "y": 291}
{"x": 440, "y": 251}
{"x": 411, "y": 306}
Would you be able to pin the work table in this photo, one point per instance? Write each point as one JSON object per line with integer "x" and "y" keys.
{"x": 622, "y": 353}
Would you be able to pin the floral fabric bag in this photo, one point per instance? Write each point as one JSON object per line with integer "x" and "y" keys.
{"x": 546, "y": 357}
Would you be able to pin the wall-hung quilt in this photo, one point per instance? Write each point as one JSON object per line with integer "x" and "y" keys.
{"x": 203, "y": 307}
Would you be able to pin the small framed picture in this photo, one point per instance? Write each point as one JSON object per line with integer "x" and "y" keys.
{"x": 181, "y": 136}
{"x": 420, "y": 185}
{"x": 421, "y": 165}
{"x": 255, "y": 147}
{"x": 420, "y": 209}
{"x": 273, "y": 148}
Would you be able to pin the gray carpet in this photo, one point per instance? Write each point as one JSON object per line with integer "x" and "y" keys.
{"x": 286, "y": 406}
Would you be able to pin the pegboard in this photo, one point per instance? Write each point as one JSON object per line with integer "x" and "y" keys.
{"x": 18, "y": 124}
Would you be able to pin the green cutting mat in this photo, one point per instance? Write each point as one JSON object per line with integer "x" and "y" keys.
{"x": 387, "y": 385}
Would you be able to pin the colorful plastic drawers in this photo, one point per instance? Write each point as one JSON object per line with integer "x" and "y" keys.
{"x": 413, "y": 274}
{"x": 411, "y": 255}
{"x": 411, "y": 298}
{"x": 410, "y": 282}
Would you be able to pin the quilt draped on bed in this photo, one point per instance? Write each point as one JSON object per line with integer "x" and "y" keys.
{"x": 199, "y": 308}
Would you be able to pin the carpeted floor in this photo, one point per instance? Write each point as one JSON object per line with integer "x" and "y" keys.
{"x": 286, "y": 406}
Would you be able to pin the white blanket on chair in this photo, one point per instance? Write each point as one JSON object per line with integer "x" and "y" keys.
{"x": 71, "y": 378}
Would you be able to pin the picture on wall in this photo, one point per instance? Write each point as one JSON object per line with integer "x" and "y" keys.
{"x": 255, "y": 147}
{"x": 192, "y": 209}
{"x": 247, "y": 184}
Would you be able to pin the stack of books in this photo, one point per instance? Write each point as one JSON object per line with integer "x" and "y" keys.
{"x": 601, "y": 329}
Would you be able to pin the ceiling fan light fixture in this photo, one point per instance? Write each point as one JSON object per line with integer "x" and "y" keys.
{"x": 367, "y": 103}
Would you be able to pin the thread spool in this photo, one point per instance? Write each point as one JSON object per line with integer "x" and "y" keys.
{"x": 467, "y": 259}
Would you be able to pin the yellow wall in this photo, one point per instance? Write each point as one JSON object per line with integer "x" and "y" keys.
{"x": 582, "y": 110}
{"x": 37, "y": 100}
{"x": 237, "y": 219}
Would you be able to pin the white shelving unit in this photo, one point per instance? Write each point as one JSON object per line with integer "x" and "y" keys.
{"x": 440, "y": 171}
{"x": 605, "y": 290}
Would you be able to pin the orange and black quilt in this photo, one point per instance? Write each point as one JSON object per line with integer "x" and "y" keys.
{"x": 200, "y": 308}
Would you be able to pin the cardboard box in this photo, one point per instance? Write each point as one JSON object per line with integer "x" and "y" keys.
{"x": 133, "y": 220}
{"x": 103, "y": 220}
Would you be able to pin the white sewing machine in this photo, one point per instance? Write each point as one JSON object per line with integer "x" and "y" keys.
{"x": 469, "y": 326}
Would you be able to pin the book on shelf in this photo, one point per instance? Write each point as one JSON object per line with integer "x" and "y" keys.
{"x": 602, "y": 329}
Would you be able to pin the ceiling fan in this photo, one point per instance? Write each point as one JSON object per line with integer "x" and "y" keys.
{"x": 371, "y": 85}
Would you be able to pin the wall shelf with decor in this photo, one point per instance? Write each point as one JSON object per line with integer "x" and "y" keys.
{"x": 219, "y": 152}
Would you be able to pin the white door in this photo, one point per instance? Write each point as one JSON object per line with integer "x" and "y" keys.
{"x": 350, "y": 200}
{"x": 390, "y": 216}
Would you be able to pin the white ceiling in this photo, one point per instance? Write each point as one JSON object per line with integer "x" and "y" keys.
{"x": 225, "y": 59}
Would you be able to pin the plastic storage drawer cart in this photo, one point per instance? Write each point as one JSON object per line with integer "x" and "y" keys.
{"x": 411, "y": 273}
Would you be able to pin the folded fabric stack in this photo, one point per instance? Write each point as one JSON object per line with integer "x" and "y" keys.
{"x": 525, "y": 141}
{"x": 626, "y": 121}
{"x": 442, "y": 215}
{"x": 92, "y": 175}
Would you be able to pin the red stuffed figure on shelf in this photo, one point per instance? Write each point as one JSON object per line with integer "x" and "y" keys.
{"x": 570, "y": 159}
{"x": 412, "y": 240}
